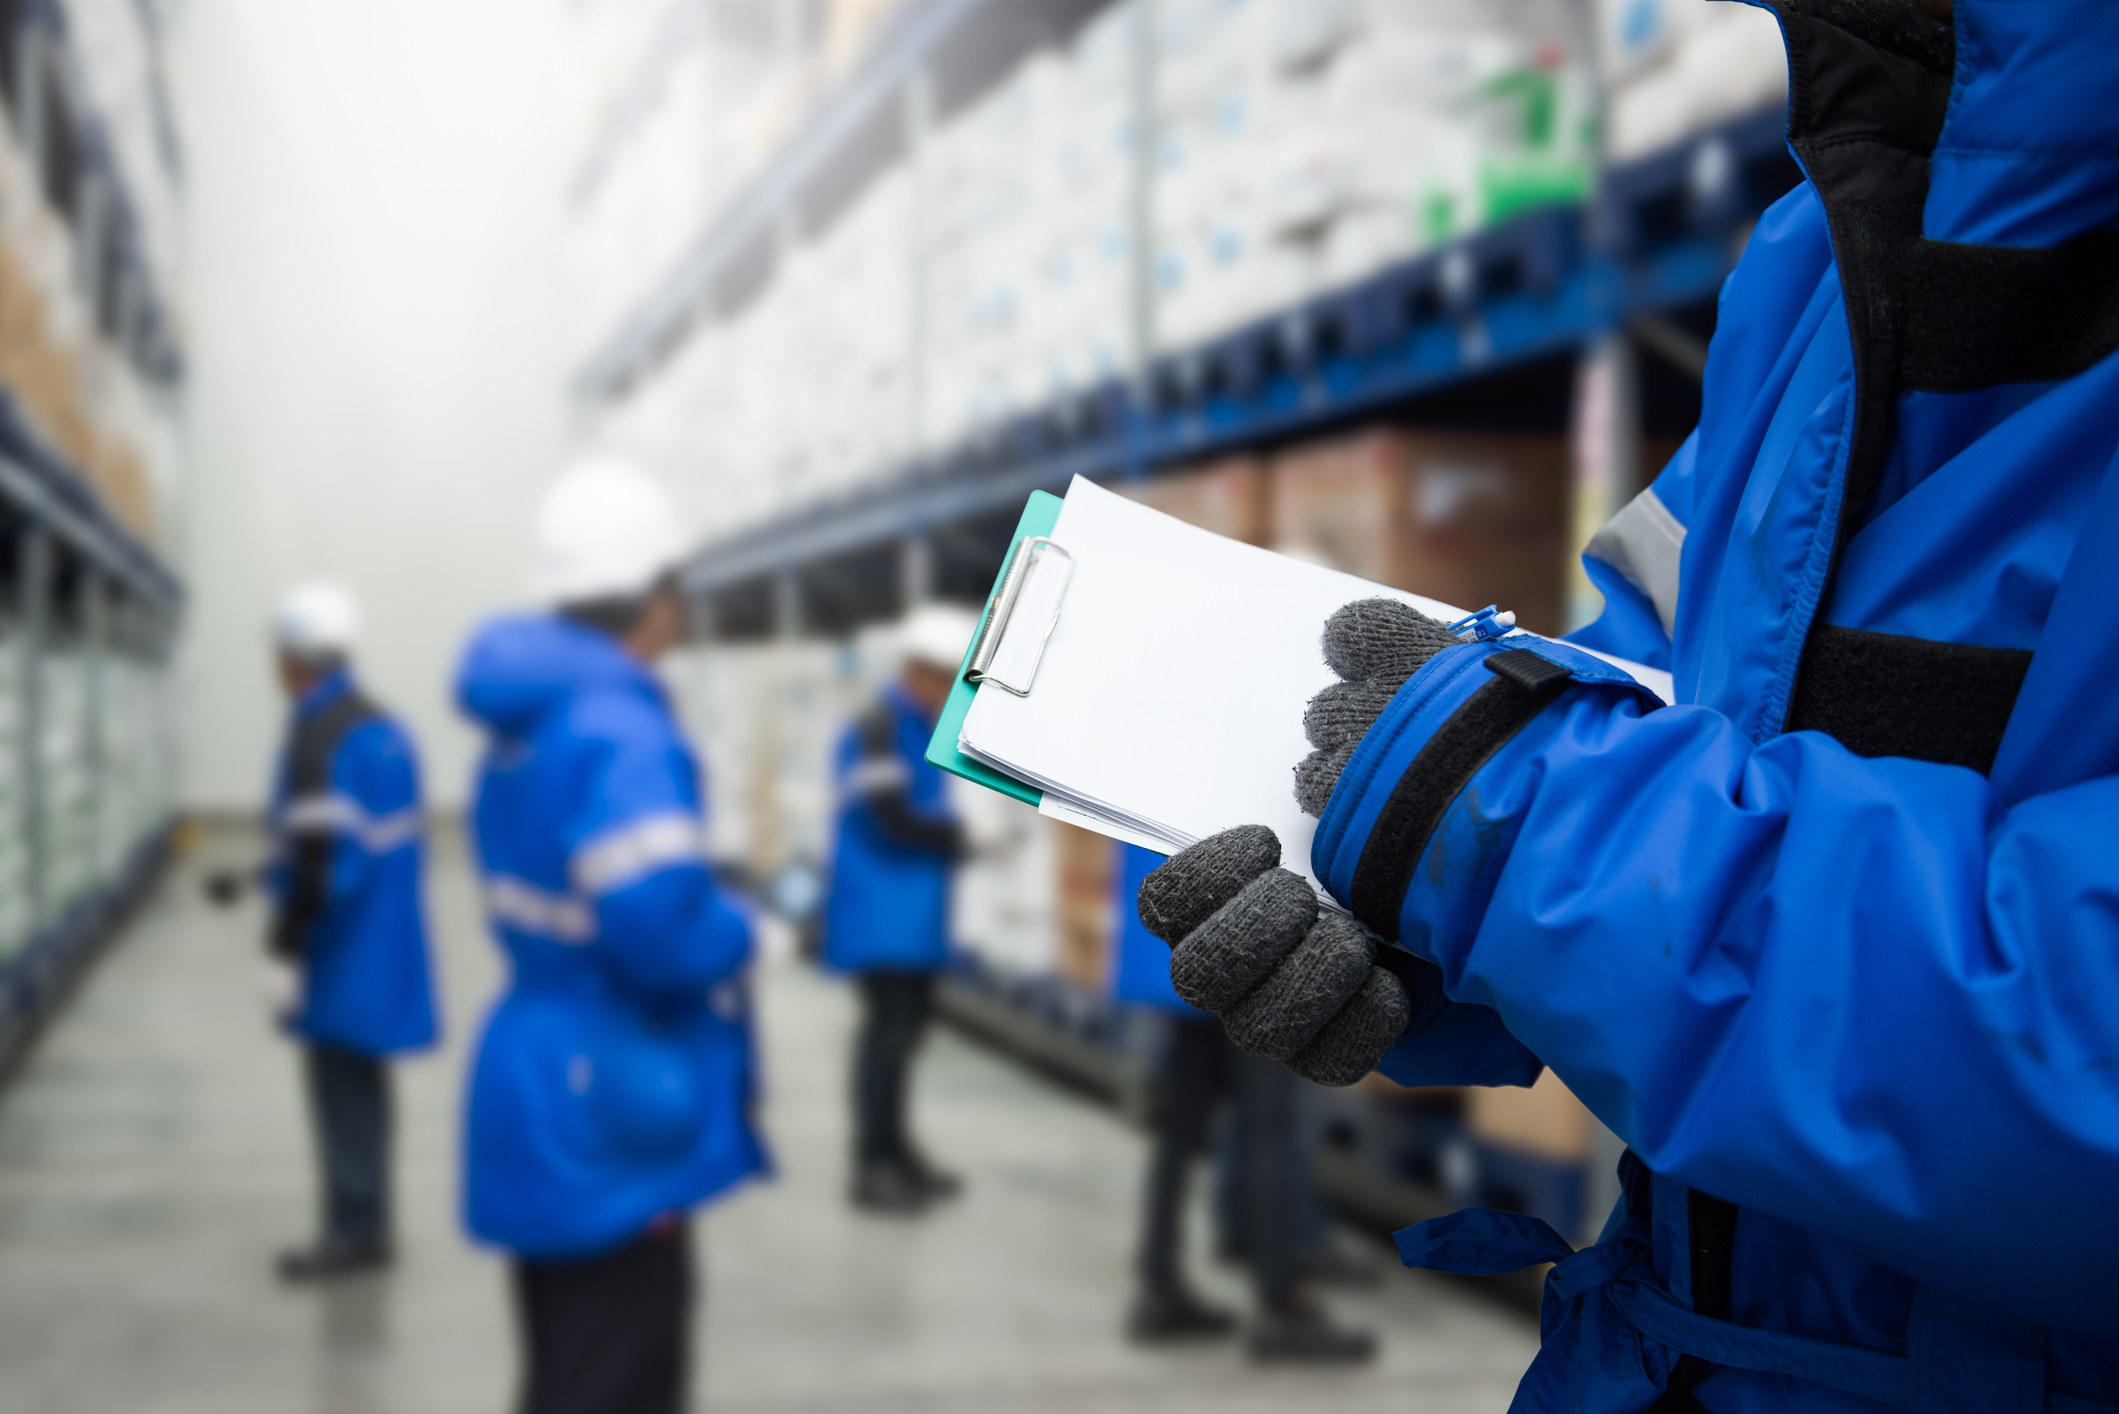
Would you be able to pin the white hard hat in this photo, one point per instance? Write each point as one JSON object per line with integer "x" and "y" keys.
{"x": 316, "y": 620}
{"x": 937, "y": 634}
{"x": 606, "y": 530}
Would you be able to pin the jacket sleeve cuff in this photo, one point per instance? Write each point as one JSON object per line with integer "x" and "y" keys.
{"x": 1443, "y": 734}
{"x": 1460, "y": 1043}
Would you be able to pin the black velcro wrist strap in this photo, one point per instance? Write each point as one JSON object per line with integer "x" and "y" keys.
{"x": 1524, "y": 684}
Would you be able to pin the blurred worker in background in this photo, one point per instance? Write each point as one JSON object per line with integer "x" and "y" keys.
{"x": 887, "y": 920}
{"x": 613, "y": 1086}
{"x": 348, "y": 934}
{"x": 1200, "y": 1069}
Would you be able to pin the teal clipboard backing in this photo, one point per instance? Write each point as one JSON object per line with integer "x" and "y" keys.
{"x": 1039, "y": 516}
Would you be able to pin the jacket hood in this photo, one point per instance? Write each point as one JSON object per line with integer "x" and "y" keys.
{"x": 1997, "y": 124}
{"x": 2026, "y": 155}
{"x": 518, "y": 670}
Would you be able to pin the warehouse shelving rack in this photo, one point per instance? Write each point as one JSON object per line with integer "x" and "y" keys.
{"x": 88, "y": 612}
{"x": 1492, "y": 315}
{"x": 77, "y": 593}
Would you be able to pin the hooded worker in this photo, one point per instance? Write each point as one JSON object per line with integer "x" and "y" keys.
{"x": 1831, "y": 942}
{"x": 887, "y": 920}
{"x": 613, "y": 1086}
{"x": 344, "y": 877}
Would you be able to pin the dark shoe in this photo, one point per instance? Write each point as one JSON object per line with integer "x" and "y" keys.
{"x": 1163, "y": 1318}
{"x": 938, "y": 1183}
{"x": 1328, "y": 1266}
{"x": 889, "y": 1188}
{"x": 1308, "y": 1337}
{"x": 332, "y": 1257}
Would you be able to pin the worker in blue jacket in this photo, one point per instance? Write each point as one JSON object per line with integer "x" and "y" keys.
{"x": 1198, "y": 1069}
{"x": 1832, "y": 941}
{"x": 348, "y": 928}
{"x": 614, "y": 1083}
{"x": 887, "y": 918}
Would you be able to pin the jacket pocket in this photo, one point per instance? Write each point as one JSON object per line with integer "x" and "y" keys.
{"x": 642, "y": 1091}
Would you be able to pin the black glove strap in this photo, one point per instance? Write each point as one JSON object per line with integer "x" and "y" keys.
{"x": 1487, "y": 721}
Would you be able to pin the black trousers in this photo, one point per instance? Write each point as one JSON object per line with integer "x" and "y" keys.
{"x": 349, "y": 1108}
{"x": 609, "y": 1335}
{"x": 894, "y": 1007}
{"x": 1201, "y": 1069}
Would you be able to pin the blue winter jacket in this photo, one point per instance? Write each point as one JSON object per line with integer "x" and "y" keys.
{"x": 345, "y": 874}
{"x": 896, "y": 848}
{"x": 1140, "y": 972}
{"x": 1833, "y": 943}
{"x": 614, "y": 1080}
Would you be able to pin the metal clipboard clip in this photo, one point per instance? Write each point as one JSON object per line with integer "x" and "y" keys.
{"x": 1030, "y": 553}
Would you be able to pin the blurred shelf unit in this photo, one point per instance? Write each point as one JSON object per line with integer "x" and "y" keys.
{"x": 1021, "y": 241}
{"x": 91, "y": 365}
{"x": 87, "y": 622}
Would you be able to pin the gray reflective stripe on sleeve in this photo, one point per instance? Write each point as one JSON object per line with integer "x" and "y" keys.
{"x": 637, "y": 849}
{"x": 518, "y": 904}
{"x": 341, "y": 814}
{"x": 1644, "y": 543}
{"x": 315, "y": 814}
{"x": 873, "y": 774}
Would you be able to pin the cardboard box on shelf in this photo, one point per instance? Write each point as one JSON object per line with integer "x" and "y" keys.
{"x": 1087, "y": 868}
{"x": 1545, "y": 1121}
{"x": 1230, "y": 497}
{"x": 1470, "y": 519}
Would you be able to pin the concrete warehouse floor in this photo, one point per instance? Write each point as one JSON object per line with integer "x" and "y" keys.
{"x": 154, "y": 1155}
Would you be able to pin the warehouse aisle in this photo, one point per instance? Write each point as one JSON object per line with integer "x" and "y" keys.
{"x": 152, "y": 1157}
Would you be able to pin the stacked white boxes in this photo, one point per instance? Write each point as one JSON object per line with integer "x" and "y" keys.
{"x": 675, "y": 123}
{"x": 1673, "y": 67}
{"x": 1290, "y": 146}
{"x": 1303, "y": 146}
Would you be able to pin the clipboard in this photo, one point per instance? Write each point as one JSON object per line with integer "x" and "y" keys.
{"x": 1040, "y": 515}
{"x": 1130, "y": 730}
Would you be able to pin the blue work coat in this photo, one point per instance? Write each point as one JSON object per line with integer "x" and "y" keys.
{"x": 1872, "y": 1001}
{"x": 614, "y": 1079}
{"x": 1140, "y": 970}
{"x": 895, "y": 849}
{"x": 355, "y": 831}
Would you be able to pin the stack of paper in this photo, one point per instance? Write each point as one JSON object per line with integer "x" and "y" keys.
{"x": 1167, "y": 704}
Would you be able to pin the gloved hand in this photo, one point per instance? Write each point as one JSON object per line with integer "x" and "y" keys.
{"x": 1249, "y": 942}
{"x": 1376, "y": 645}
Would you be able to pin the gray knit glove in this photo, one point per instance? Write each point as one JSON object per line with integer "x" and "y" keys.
{"x": 1314, "y": 990}
{"x": 1376, "y": 645}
